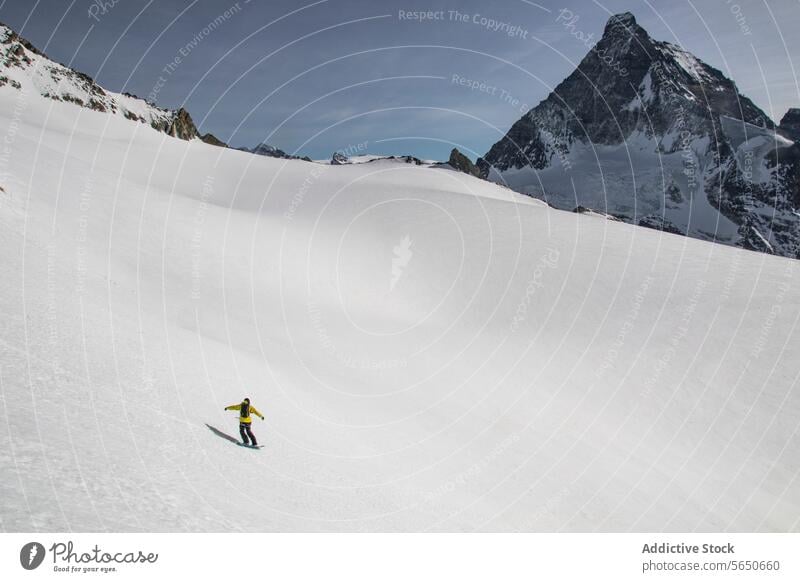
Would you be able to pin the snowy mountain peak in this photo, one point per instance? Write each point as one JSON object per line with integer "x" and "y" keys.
{"x": 790, "y": 124}
{"x": 646, "y": 131}
{"x": 624, "y": 22}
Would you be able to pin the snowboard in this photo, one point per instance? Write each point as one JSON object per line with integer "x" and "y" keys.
{"x": 250, "y": 446}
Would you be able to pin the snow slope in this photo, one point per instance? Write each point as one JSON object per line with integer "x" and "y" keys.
{"x": 431, "y": 351}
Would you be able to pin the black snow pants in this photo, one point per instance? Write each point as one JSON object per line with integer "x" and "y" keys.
{"x": 244, "y": 430}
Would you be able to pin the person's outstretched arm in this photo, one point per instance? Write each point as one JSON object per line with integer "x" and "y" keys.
{"x": 256, "y": 412}
{"x": 233, "y": 407}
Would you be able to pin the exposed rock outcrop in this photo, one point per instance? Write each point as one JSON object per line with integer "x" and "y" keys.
{"x": 462, "y": 163}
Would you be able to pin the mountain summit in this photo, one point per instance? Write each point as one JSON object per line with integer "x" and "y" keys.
{"x": 646, "y": 131}
{"x": 624, "y": 20}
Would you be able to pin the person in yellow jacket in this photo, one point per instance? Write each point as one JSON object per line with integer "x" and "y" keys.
{"x": 245, "y": 409}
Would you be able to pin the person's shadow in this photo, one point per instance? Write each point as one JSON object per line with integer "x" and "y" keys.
{"x": 222, "y": 435}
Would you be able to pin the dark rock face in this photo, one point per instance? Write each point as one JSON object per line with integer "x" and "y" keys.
{"x": 593, "y": 103}
{"x": 646, "y": 131}
{"x": 263, "y": 149}
{"x": 462, "y": 163}
{"x": 97, "y": 105}
{"x": 339, "y": 159}
{"x": 182, "y": 126}
{"x": 790, "y": 124}
{"x": 211, "y": 139}
{"x": 660, "y": 223}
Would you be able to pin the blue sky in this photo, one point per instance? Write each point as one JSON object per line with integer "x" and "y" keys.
{"x": 316, "y": 76}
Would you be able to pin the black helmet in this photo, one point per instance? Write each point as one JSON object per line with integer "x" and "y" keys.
{"x": 247, "y": 400}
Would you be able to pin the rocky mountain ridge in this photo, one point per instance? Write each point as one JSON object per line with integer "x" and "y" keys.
{"x": 645, "y": 131}
{"x": 270, "y": 151}
{"x": 25, "y": 68}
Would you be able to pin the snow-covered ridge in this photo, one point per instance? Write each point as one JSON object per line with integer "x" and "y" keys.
{"x": 270, "y": 151}
{"x": 23, "y": 67}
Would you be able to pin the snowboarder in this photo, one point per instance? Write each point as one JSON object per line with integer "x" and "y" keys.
{"x": 245, "y": 409}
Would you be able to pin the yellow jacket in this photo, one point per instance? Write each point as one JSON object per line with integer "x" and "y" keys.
{"x": 250, "y": 408}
